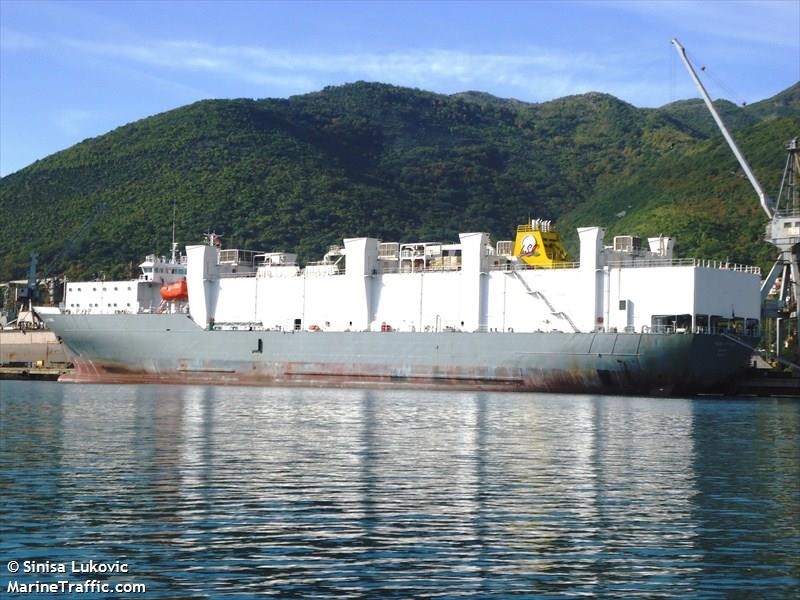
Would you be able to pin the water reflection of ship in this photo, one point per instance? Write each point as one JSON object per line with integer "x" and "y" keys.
{"x": 528, "y": 489}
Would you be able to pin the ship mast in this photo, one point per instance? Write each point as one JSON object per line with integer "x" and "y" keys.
{"x": 174, "y": 244}
{"x": 783, "y": 231}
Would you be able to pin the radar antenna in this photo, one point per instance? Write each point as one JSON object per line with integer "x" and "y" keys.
{"x": 783, "y": 231}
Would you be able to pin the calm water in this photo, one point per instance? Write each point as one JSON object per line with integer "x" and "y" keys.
{"x": 208, "y": 491}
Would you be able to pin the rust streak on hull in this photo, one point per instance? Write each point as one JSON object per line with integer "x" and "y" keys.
{"x": 171, "y": 349}
{"x": 346, "y": 376}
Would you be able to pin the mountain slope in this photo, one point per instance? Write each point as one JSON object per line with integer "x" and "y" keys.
{"x": 395, "y": 163}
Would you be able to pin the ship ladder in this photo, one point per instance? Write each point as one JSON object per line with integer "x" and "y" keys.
{"x": 539, "y": 295}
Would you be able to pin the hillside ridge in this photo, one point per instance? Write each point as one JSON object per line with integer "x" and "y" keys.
{"x": 397, "y": 163}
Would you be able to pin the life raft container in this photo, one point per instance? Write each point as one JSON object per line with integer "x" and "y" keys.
{"x": 175, "y": 291}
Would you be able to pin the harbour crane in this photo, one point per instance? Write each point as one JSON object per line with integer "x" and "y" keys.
{"x": 783, "y": 230}
{"x": 30, "y": 293}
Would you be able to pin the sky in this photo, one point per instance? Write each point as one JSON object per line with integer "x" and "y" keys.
{"x": 74, "y": 70}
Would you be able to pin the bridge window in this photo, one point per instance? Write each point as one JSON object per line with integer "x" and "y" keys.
{"x": 727, "y": 324}
{"x": 701, "y": 323}
{"x": 671, "y": 323}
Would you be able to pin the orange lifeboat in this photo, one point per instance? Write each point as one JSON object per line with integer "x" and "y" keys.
{"x": 175, "y": 291}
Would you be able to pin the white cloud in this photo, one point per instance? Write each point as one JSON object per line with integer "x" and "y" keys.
{"x": 769, "y": 22}
{"x": 532, "y": 73}
{"x": 535, "y": 72}
{"x": 73, "y": 121}
{"x": 14, "y": 40}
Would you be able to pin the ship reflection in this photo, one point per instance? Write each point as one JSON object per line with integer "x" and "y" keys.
{"x": 297, "y": 491}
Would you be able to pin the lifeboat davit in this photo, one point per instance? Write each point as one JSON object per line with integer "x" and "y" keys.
{"x": 175, "y": 291}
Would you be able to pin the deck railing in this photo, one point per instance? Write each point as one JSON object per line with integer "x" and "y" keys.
{"x": 754, "y": 331}
{"x": 640, "y": 263}
{"x": 523, "y": 267}
{"x": 686, "y": 262}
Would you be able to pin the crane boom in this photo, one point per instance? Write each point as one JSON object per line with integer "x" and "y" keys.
{"x": 762, "y": 196}
{"x": 99, "y": 209}
{"x": 30, "y": 292}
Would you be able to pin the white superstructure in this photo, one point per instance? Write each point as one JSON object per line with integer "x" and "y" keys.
{"x": 472, "y": 285}
{"x": 126, "y": 296}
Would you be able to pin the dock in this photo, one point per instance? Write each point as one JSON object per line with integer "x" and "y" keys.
{"x": 32, "y": 373}
{"x": 768, "y": 382}
{"x": 37, "y": 347}
{"x": 33, "y": 355}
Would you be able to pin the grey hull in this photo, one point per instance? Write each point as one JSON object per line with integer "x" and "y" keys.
{"x": 173, "y": 349}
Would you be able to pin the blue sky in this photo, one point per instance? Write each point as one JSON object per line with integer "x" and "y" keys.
{"x": 73, "y": 70}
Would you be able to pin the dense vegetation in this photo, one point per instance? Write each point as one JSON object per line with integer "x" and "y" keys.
{"x": 396, "y": 163}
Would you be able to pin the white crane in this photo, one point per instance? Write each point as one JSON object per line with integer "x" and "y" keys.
{"x": 783, "y": 230}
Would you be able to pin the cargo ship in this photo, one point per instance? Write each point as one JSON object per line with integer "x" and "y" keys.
{"x": 627, "y": 318}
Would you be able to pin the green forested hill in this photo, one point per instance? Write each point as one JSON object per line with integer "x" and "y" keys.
{"x": 396, "y": 163}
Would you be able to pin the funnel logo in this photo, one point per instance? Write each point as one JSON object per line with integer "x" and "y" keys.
{"x": 529, "y": 246}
